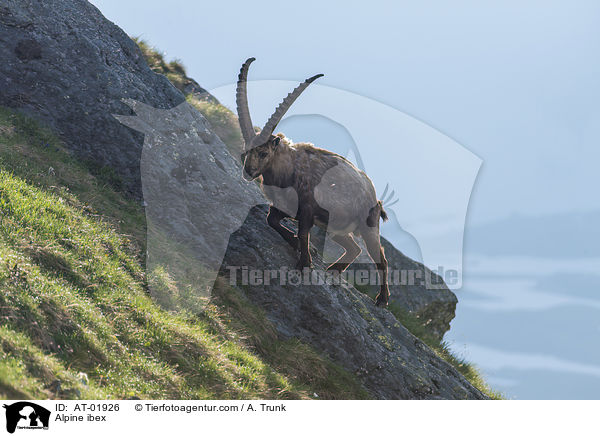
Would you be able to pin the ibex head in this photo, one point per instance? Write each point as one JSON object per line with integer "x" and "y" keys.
{"x": 258, "y": 159}
{"x": 260, "y": 147}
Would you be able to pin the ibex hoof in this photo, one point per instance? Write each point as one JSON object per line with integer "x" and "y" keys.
{"x": 302, "y": 264}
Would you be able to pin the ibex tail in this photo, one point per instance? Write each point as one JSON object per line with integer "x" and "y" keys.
{"x": 375, "y": 213}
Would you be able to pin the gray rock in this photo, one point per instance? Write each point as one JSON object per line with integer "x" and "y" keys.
{"x": 416, "y": 288}
{"x": 428, "y": 297}
{"x": 67, "y": 65}
{"x": 194, "y": 194}
{"x": 339, "y": 321}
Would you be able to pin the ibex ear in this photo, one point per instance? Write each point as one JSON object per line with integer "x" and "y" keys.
{"x": 276, "y": 140}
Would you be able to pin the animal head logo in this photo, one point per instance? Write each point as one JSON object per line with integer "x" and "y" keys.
{"x": 26, "y": 415}
{"x": 197, "y": 194}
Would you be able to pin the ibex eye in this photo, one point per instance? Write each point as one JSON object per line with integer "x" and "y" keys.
{"x": 262, "y": 154}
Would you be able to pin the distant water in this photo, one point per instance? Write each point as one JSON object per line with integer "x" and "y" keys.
{"x": 532, "y": 325}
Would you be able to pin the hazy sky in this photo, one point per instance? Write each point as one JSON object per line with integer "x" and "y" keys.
{"x": 517, "y": 84}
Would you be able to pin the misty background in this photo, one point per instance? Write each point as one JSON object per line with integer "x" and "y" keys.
{"x": 516, "y": 84}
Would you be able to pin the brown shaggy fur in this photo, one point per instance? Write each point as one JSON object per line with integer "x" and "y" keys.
{"x": 316, "y": 186}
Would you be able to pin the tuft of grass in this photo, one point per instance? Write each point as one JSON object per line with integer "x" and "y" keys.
{"x": 156, "y": 61}
{"x": 75, "y": 314}
{"x": 415, "y": 325}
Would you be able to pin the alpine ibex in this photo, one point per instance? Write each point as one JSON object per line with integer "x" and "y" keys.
{"x": 327, "y": 189}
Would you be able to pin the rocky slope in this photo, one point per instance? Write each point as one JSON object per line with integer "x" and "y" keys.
{"x": 65, "y": 64}
{"x": 341, "y": 322}
{"x": 433, "y": 304}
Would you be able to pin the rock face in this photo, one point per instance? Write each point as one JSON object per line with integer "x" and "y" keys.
{"x": 412, "y": 285}
{"x": 417, "y": 289}
{"x": 194, "y": 194}
{"x": 64, "y": 63}
{"x": 432, "y": 302}
{"x": 338, "y": 320}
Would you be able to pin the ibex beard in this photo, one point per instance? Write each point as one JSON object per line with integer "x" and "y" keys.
{"x": 329, "y": 191}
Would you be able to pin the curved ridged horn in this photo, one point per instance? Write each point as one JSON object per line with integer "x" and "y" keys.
{"x": 241, "y": 98}
{"x": 281, "y": 110}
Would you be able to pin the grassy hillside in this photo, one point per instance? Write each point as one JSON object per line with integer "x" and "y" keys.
{"x": 76, "y": 317}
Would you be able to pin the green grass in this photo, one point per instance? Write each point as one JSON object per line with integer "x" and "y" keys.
{"x": 76, "y": 317}
{"x": 173, "y": 70}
